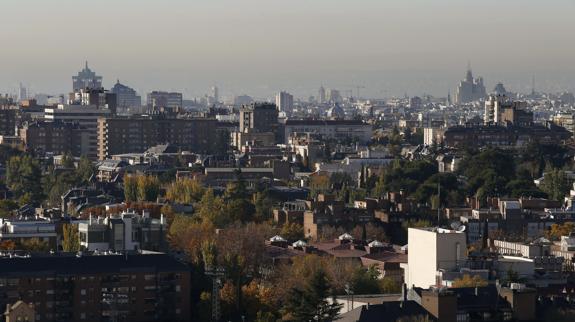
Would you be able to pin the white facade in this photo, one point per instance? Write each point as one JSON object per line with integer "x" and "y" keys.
{"x": 431, "y": 250}
{"x": 330, "y": 129}
{"x": 284, "y": 102}
{"x": 86, "y": 116}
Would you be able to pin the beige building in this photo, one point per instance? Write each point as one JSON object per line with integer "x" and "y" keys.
{"x": 20, "y": 312}
{"x": 432, "y": 250}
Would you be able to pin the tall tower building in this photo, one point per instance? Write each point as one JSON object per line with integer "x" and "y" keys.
{"x": 23, "y": 92}
{"x": 470, "y": 89}
{"x": 216, "y": 94}
{"x": 321, "y": 95}
{"x": 126, "y": 97}
{"x": 284, "y": 102}
{"x": 86, "y": 78}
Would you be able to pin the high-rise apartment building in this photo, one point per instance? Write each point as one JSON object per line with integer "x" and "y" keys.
{"x": 126, "y": 97}
{"x": 98, "y": 286}
{"x": 135, "y": 134}
{"x": 158, "y": 101}
{"x": 500, "y": 109}
{"x": 86, "y": 78}
{"x": 321, "y": 95}
{"x": 55, "y": 137}
{"x": 258, "y": 122}
{"x": 284, "y": 102}
{"x": 7, "y": 120}
{"x": 85, "y": 116}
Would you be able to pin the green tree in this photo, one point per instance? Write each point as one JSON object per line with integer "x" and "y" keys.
{"x": 85, "y": 170}
{"x": 130, "y": 188}
{"x": 23, "y": 176}
{"x": 6, "y": 208}
{"x": 70, "y": 238}
{"x": 148, "y": 188}
{"x": 185, "y": 191}
{"x": 310, "y": 303}
{"x": 67, "y": 161}
{"x": 365, "y": 280}
{"x": 292, "y": 232}
{"x": 555, "y": 184}
{"x": 212, "y": 209}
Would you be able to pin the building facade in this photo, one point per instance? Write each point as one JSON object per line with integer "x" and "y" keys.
{"x": 126, "y": 97}
{"x": 7, "y": 121}
{"x": 135, "y": 134}
{"x": 284, "y": 102}
{"x": 158, "y": 100}
{"x": 86, "y": 116}
{"x": 55, "y": 137}
{"x": 125, "y": 232}
{"x": 330, "y": 129}
{"x": 103, "y": 287}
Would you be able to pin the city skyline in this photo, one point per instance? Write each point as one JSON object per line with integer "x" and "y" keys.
{"x": 392, "y": 48}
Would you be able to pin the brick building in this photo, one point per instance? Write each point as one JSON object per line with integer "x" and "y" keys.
{"x": 119, "y": 135}
{"x": 69, "y": 287}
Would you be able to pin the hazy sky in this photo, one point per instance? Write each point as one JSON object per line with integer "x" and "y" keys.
{"x": 258, "y": 47}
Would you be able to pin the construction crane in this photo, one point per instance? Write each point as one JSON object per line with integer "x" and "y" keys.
{"x": 217, "y": 273}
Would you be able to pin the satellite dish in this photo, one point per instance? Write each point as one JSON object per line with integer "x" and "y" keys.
{"x": 455, "y": 225}
{"x": 461, "y": 229}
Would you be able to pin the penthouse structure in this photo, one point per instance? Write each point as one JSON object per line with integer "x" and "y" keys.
{"x": 89, "y": 287}
{"x": 127, "y": 231}
{"x": 330, "y": 129}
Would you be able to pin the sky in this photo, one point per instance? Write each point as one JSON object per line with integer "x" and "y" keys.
{"x": 258, "y": 47}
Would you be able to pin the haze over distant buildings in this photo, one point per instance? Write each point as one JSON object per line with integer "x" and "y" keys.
{"x": 390, "y": 47}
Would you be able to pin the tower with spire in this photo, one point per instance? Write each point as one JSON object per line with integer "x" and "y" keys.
{"x": 470, "y": 89}
{"x": 86, "y": 78}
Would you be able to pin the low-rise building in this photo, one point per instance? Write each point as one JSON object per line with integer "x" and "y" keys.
{"x": 128, "y": 231}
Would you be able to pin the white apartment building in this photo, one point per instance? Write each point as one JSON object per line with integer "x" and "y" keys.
{"x": 86, "y": 116}
{"x": 430, "y": 251}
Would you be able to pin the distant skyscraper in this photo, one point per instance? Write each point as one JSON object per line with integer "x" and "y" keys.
{"x": 215, "y": 94}
{"x": 470, "y": 89}
{"x": 500, "y": 89}
{"x": 284, "y": 102}
{"x": 23, "y": 92}
{"x": 321, "y": 95}
{"x": 86, "y": 78}
{"x": 126, "y": 97}
{"x": 157, "y": 100}
{"x": 334, "y": 96}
